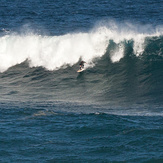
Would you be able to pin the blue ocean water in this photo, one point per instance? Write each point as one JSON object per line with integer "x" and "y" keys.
{"x": 112, "y": 111}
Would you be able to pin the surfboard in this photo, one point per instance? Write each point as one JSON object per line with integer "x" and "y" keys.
{"x": 80, "y": 70}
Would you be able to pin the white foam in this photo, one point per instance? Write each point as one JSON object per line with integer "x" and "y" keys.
{"x": 118, "y": 53}
{"x": 53, "y": 52}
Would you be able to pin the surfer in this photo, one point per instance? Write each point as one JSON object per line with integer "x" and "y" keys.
{"x": 82, "y": 65}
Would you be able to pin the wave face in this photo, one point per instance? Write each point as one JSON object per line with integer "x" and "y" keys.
{"x": 124, "y": 65}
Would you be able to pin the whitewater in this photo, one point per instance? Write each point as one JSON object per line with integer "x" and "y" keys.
{"x": 55, "y": 52}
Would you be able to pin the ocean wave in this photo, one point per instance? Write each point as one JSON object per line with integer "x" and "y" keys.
{"x": 54, "y": 52}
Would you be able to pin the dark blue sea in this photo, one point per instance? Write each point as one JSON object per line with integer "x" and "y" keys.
{"x": 111, "y": 112}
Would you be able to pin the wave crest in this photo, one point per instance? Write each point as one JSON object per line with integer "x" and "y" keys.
{"x": 53, "y": 52}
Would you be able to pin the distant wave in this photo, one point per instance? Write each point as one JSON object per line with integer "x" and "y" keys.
{"x": 54, "y": 52}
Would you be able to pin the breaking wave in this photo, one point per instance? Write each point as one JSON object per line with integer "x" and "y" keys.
{"x": 54, "y": 52}
{"x": 124, "y": 66}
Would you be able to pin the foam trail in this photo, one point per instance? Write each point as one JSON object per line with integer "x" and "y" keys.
{"x": 53, "y": 52}
{"x": 118, "y": 53}
{"x": 139, "y": 44}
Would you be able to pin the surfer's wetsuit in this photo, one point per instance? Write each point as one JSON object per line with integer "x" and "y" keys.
{"x": 81, "y": 65}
